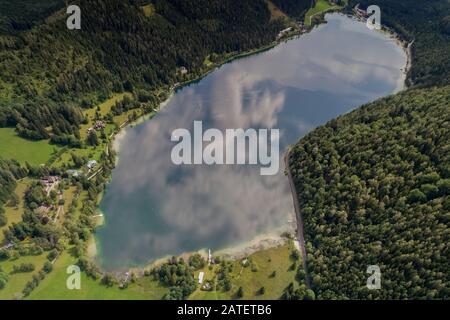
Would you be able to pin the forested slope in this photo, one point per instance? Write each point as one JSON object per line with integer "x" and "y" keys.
{"x": 19, "y": 15}
{"x": 46, "y": 71}
{"x": 374, "y": 189}
{"x": 374, "y": 184}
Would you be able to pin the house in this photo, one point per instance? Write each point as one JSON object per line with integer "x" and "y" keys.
{"x": 207, "y": 286}
{"x": 183, "y": 70}
{"x": 91, "y": 164}
{"x": 99, "y": 125}
{"x": 74, "y": 173}
{"x": 210, "y": 257}
{"x": 284, "y": 32}
{"x": 89, "y": 130}
{"x": 200, "y": 277}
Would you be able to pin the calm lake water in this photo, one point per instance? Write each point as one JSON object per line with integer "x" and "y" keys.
{"x": 154, "y": 208}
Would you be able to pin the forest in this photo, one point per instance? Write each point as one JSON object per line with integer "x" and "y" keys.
{"x": 47, "y": 72}
{"x": 373, "y": 185}
{"x": 427, "y": 24}
{"x": 374, "y": 189}
{"x": 10, "y": 170}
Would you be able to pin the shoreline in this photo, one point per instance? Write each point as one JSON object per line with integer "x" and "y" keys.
{"x": 260, "y": 242}
{"x": 404, "y": 44}
{"x": 264, "y": 240}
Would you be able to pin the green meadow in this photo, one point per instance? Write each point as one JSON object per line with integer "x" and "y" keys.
{"x": 320, "y": 7}
{"x": 54, "y": 287}
{"x": 17, "y": 281}
{"x": 14, "y": 147}
{"x": 259, "y": 273}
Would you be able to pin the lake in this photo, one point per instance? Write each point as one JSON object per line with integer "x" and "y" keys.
{"x": 154, "y": 208}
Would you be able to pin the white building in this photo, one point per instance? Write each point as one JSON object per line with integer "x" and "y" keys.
{"x": 200, "y": 277}
{"x": 91, "y": 164}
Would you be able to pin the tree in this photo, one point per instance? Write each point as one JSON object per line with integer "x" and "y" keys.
{"x": 108, "y": 280}
{"x": 3, "y": 278}
{"x": 240, "y": 292}
{"x": 92, "y": 139}
{"x": 310, "y": 295}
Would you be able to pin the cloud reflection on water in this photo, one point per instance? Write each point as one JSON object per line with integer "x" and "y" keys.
{"x": 154, "y": 208}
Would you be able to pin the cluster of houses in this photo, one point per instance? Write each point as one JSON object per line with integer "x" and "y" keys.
{"x": 99, "y": 125}
{"x": 91, "y": 164}
{"x": 50, "y": 183}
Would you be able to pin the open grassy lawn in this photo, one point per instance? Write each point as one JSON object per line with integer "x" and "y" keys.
{"x": 14, "y": 214}
{"x": 54, "y": 287}
{"x": 14, "y": 147}
{"x": 68, "y": 197}
{"x": 266, "y": 262}
{"x": 17, "y": 281}
{"x": 321, "y": 6}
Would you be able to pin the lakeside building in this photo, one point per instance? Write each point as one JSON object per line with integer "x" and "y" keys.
{"x": 284, "y": 32}
{"x": 74, "y": 173}
{"x": 183, "y": 70}
{"x": 91, "y": 164}
{"x": 200, "y": 277}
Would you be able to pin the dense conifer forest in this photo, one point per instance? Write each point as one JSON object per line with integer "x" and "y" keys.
{"x": 374, "y": 189}
{"x": 122, "y": 44}
{"x": 373, "y": 185}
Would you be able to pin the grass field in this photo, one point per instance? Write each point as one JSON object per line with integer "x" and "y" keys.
{"x": 14, "y": 147}
{"x": 53, "y": 287}
{"x": 105, "y": 108}
{"x": 266, "y": 261}
{"x": 17, "y": 282}
{"x": 14, "y": 214}
{"x": 320, "y": 7}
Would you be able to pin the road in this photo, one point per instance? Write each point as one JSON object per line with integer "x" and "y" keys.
{"x": 300, "y": 235}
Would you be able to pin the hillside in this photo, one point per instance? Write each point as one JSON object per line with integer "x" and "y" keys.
{"x": 47, "y": 72}
{"x": 374, "y": 185}
{"x": 425, "y": 23}
{"x": 374, "y": 189}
